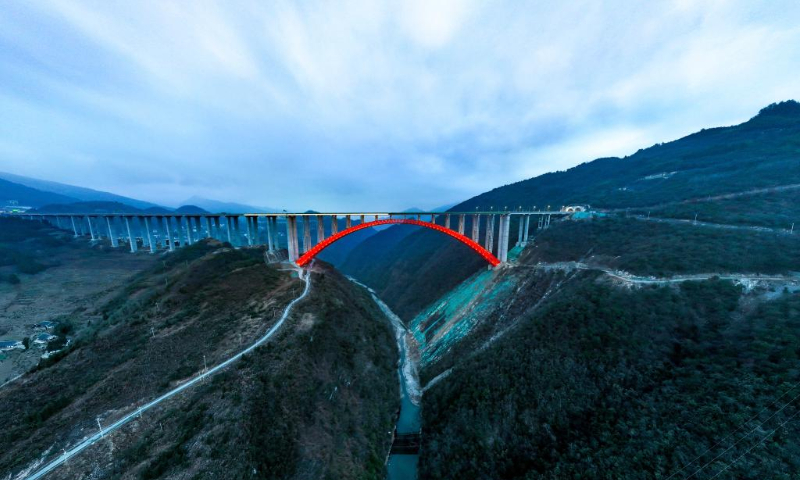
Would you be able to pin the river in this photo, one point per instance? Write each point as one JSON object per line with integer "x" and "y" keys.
{"x": 403, "y": 466}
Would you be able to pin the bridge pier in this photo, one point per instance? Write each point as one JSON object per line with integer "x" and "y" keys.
{"x": 291, "y": 236}
{"x": 74, "y": 227}
{"x": 320, "y": 229}
{"x": 334, "y": 225}
{"x": 307, "y": 234}
{"x": 188, "y": 222}
{"x": 168, "y": 240}
{"x": 150, "y": 242}
{"x": 131, "y": 238}
{"x": 502, "y": 241}
{"x": 489, "y": 237}
{"x": 91, "y": 228}
{"x": 111, "y": 233}
{"x": 476, "y": 228}
{"x": 227, "y": 220}
{"x": 461, "y": 224}
{"x": 270, "y": 246}
{"x": 236, "y": 230}
{"x": 249, "y": 222}
{"x": 348, "y": 222}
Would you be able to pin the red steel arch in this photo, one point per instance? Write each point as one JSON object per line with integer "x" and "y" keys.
{"x": 309, "y": 255}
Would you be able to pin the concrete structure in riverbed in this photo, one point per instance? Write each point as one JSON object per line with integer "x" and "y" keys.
{"x": 168, "y": 231}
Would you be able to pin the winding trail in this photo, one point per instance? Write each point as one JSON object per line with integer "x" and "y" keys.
{"x": 138, "y": 412}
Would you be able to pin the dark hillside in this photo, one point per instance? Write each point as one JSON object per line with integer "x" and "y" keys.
{"x": 663, "y": 249}
{"x": 315, "y": 403}
{"x": 607, "y": 382}
{"x": 413, "y": 278}
{"x": 762, "y": 152}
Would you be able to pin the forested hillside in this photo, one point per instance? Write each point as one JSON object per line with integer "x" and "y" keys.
{"x": 314, "y": 403}
{"x": 610, "y": 382}
{"x": 760, "y": 153}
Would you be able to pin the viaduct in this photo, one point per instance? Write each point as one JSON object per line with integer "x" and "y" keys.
{"x": 317, "y": 230}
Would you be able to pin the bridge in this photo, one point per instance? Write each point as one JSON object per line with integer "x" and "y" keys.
{"x": 489, "y": 231}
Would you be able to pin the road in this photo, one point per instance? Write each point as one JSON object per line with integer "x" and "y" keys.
{"x": 724, "y": 226}
{"x": 627, "y": 277}
{"x": 138, "y": 412}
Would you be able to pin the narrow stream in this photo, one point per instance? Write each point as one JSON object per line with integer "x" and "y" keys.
{"x": 403, "y": 466}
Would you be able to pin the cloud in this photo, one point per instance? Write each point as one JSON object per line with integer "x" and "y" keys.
{"x": 386, "y": 104}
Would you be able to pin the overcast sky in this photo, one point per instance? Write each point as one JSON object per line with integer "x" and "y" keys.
{"x": 368, "y": 105}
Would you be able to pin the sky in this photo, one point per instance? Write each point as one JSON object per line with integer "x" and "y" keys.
{"x": 370, "y": 105}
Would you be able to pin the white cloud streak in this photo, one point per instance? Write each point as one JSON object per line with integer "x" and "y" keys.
{"x": 354, "y": 104}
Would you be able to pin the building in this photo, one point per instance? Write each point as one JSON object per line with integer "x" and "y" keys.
{"x": 8, "y": 345}
{"x": 43, "y": 338}
{"x": 44, "y": 326}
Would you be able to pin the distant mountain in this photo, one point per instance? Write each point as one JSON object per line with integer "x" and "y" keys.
{"x": 190, "y": 209}
{"x": 216, "y": 206}
{"x": 71, "y": 193}
{"x": 28, "y": 196}
{"x": 88, "y": 207}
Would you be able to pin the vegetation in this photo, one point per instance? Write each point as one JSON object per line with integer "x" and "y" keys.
{"x": 22, "y": 244}
{"x": 610, "y": 383}
{"x": 317, "y": 400}
{"x": 778, "y": 210}
{"x": 654, "y": 248}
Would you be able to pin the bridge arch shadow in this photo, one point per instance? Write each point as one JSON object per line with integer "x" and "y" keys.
{"x": 309, "y": 255}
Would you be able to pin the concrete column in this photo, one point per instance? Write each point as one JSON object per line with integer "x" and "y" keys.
{"x": 541, "y": 222}
{"x": 216, "y": 228}
{"x": 255, "y": 232}
{"x": 548, "y": 221}
{"x": 461, "y": 224}
{"x": 291, "y": 236}
{"x": 334, "y": 225}
{"x": 502, "y": 246}
{"x": 488, "y": 240}
{"x": 520, "y": 229}
{"x": 275, "y": 238}
{"x": 111, "y": 233}
{"x": 447, "y": 220}
{"x": 142, "y": 231}
{"x": 168, "y": 234}
{"x": 149, "y": 235}
{"x": 131, "y": 238}
{"x": 227, "y": 222}
{"x": 362, "y": 218}
{"x": 270, "y": 246}
{"x": 236, "y": 231}
{"x": 74, "y": 227}
{"x": 476, "y": 228}
{"x": 249, "y": 222}
{"x": 188, "y": 222}
{"x": 91, "y": 228}
{"x": 348, "y": 221}
{"x": 433, "y": 218}
{"x": 306, "y": 234}
{"x": 208, "y": 226}
{"x": 526, "y": 229}
{"x": 320, "y": 228}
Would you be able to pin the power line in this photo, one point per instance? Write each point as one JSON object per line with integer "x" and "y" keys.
{"x": 743, "y": 437}
{"x": 754, "y": 446}
{"x": 734, "y": 432}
